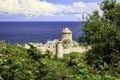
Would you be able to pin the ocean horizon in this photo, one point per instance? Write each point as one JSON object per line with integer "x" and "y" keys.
{"x": 23, "y": 32}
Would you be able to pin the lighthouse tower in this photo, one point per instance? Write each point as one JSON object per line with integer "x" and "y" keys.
{"x": 66, "y": 34}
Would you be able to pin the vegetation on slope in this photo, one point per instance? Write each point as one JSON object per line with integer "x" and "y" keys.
{"x": 18, "y": 63}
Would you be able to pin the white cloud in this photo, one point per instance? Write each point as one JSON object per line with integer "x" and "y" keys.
{"x": 10, "y": 6}
{"x": 93, "y": 7}
{"x": 27, "y": 7}
{"x": 43, "y": 8}
{"x": 79, "y": 4}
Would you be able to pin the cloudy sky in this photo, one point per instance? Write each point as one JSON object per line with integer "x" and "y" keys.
{"x": 46, "y": 10}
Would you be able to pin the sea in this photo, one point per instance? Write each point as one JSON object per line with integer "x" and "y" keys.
{"x": 24, "y": 32}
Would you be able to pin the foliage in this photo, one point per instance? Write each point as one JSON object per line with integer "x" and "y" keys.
{"x": 111, "y": 11}
{"x": 102, "y": 33}
{"x": 18, "y": 63}
{"x": 54, "y": 70}
{"x": 15, "y": 64}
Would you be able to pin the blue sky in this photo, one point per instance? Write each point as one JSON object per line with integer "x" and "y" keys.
{"x": 46, "y": 10}
{"x": 71, "y": 1}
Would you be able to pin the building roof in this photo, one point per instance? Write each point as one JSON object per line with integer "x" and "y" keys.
{"x": 52, "y": 42}
{"x": 66, "y": 30}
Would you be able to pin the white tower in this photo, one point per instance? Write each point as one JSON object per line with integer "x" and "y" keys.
{"x": 66, "y": 34}
{"x": 59, "y": 51}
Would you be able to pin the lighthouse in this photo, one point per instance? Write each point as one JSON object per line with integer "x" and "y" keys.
{"x": 66, "y": 34}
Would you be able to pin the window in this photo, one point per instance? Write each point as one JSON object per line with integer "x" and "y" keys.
{"x": 48, "y": 46}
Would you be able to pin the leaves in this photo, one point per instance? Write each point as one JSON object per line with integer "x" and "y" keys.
{"x": 102, "y": 33}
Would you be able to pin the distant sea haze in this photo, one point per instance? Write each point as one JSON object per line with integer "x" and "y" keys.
{"x": 36, "y": 32}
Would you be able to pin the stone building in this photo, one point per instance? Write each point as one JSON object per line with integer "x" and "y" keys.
{"x": 59, "y": 49}
{"x": 56, "y": 45}
{"x": 51, "y": 45}
{"x": 66, "y": 34}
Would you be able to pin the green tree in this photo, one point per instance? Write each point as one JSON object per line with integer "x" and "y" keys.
{"x": 53, "y": 69}
{"x": 111, "y": 11}
{"x": 102, "y": 33}
{"x": 16, "y": 64}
